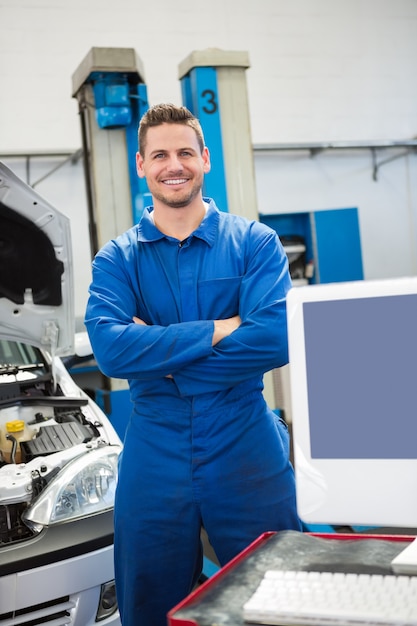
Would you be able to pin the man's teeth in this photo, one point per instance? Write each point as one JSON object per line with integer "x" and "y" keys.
{"x": 175, "y": 181}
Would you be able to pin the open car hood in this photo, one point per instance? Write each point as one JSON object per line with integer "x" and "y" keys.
{"x": 36, "y": 275}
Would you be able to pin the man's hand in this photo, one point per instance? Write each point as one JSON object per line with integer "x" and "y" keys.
{"x": 224, "y": 328}
{"x": 137, "y": 320}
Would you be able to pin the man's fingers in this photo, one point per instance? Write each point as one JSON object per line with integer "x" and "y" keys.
{"x": 137, "y": 320}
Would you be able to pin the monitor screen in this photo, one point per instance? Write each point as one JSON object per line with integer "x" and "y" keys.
{"x": 353, "y": 376}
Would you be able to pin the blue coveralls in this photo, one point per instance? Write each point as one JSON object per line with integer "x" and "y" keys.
{"x": 201, "y": 447}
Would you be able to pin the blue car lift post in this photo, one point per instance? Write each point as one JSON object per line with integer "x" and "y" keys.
{"x": 110, "y": 88}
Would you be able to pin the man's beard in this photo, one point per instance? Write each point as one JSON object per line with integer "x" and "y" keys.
{"x": 178, "y": 201}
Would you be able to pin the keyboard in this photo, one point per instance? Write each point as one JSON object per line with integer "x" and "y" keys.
{"x": 332, "y": 599}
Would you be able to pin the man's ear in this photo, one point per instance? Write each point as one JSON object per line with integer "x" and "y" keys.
{"x": 139, "y": 165}
{"x": 206, "y": 159}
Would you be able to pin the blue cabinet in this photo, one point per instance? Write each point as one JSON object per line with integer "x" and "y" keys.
{"x": 331, "y": 239}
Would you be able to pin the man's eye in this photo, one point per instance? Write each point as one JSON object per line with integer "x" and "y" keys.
{"x": 160, "y": 155}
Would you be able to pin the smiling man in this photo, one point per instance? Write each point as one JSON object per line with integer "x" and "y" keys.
{"x": 189, "y": 306}
{"x": 174, "y": 173}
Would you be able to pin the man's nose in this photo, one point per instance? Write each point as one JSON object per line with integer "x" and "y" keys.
{"x": 175, "y": 163}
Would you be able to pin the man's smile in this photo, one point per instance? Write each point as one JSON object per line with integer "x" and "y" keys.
{"x": 175, "y": 181}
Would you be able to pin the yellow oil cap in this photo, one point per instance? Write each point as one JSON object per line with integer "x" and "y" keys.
{"x": 15, "y": 426}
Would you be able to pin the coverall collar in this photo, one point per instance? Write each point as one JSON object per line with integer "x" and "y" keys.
{"x": 207, "y": 230}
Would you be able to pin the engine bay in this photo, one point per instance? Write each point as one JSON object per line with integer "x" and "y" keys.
{"x": 39, "y": 435}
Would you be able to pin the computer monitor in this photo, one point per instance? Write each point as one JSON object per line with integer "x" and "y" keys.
{"x": 353, "y": 377}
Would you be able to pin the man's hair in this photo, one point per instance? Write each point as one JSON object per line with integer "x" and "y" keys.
{"x": 168, "y": 114}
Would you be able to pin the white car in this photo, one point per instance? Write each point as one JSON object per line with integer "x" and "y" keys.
{"x": 58, "y": 451}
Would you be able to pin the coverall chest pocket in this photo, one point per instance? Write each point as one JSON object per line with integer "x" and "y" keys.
{"x": 219, "y": 298}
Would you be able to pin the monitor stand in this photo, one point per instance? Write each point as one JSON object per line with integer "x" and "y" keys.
{"x": 406, "y": 561}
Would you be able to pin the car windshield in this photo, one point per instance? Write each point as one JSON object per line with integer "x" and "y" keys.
{"x": 16, "y": 356}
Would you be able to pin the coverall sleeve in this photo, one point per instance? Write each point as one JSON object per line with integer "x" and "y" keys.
{"x": 260, "y": 343}
{"x": 127, "y": 350}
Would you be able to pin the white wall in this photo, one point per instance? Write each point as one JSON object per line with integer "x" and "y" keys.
{"x": 296, "y": 182}
{"x": 321, "y": 70}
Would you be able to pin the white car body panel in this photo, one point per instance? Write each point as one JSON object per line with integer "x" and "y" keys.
{"x": 79, "y": 578}
{"x": 29, "y": 322}
{"x": 37, "y": 309}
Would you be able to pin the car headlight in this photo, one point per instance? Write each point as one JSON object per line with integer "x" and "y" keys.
{"x": 83, "y": 487}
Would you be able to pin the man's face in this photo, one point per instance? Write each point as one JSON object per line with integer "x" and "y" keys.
{"x": 173, "y": 164}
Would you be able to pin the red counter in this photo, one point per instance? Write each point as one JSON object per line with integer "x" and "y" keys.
{"x": 221, "y": 598}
